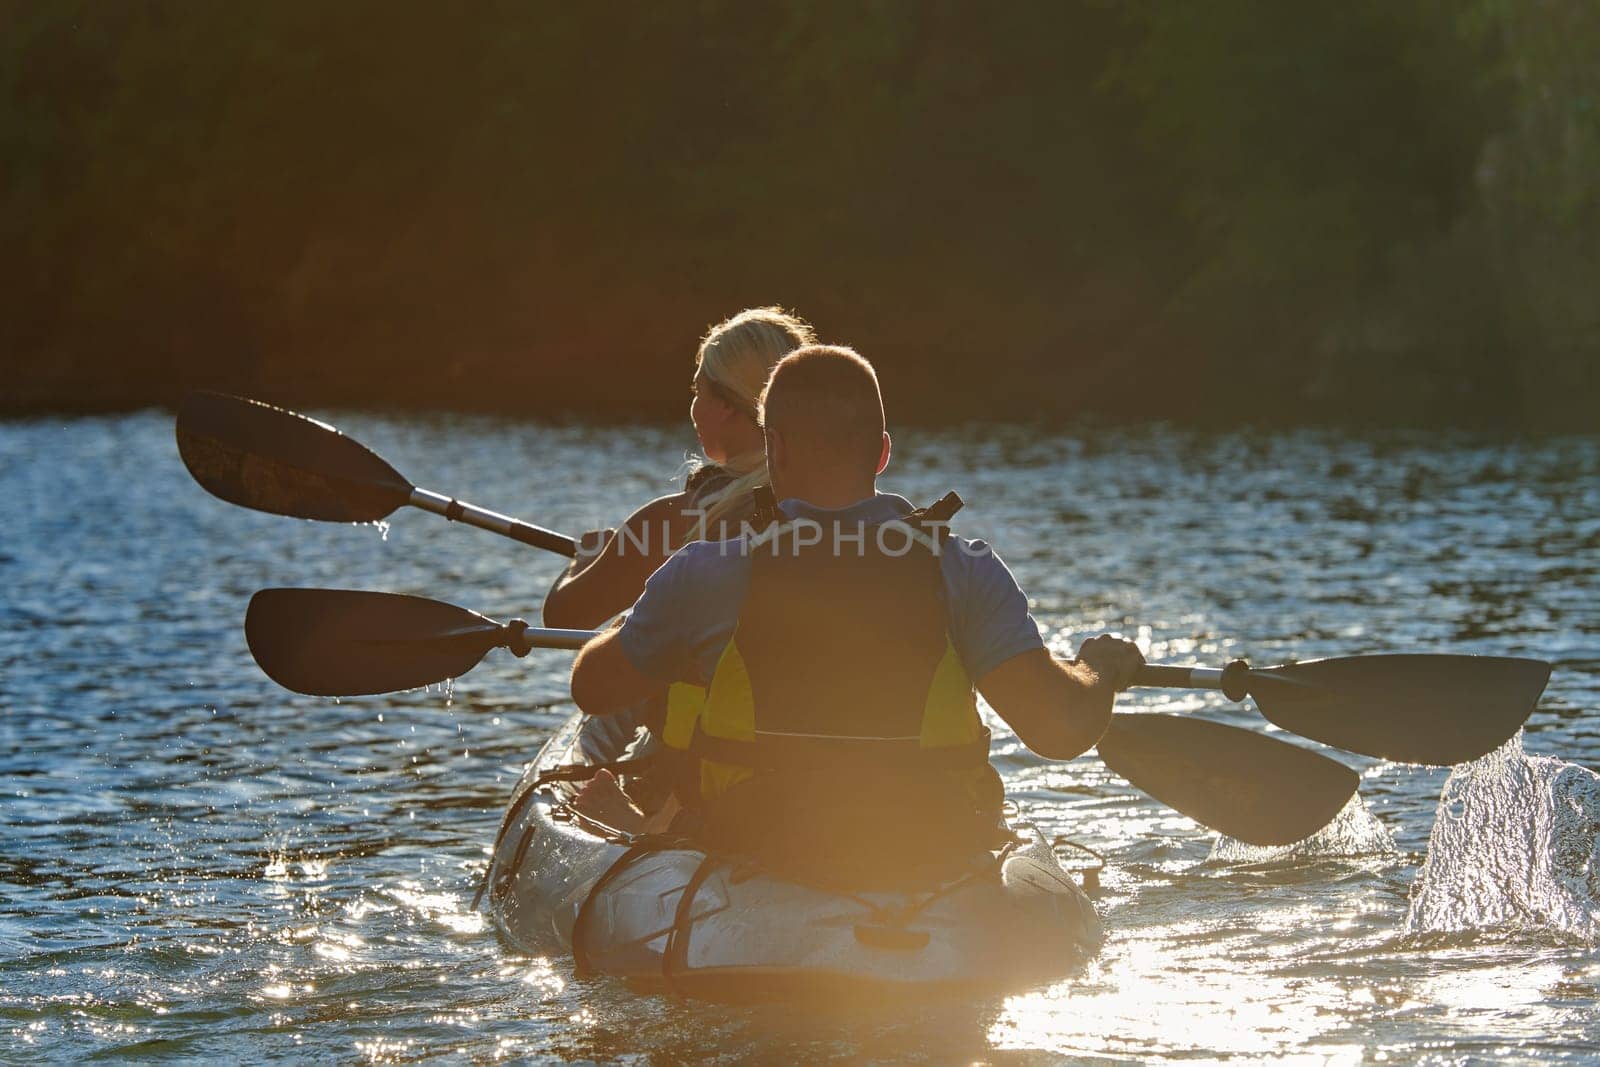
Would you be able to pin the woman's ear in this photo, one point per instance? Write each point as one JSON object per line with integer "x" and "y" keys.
{"x": 883, "y": 457}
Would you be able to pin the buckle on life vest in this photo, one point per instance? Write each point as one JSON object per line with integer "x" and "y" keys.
{"x": 766, "y": 508}
{"x": 941, "y": 511}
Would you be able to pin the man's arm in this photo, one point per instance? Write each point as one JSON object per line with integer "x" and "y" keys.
{"x": 605, "y": 681}
{"x": 679, "y": 611}
{"x": 1059, "y": 710}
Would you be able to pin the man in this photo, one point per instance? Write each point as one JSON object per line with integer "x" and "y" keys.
{"x": 841, "y": 648}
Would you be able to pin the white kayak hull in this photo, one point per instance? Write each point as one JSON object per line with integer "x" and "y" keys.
{"x": 1022, "y": 918}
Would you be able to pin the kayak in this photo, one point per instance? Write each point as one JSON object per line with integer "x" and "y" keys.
{"x": 656, "y": 909}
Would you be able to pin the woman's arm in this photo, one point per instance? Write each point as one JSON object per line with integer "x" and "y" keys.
{"x": 589, "y": 592}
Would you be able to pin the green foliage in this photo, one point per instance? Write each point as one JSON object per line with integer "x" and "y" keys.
{"x": 1085, "y": 204}
{"x": 1312, "y": 139}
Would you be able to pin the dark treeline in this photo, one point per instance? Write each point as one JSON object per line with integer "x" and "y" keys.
{"x": 1242, "y": 209}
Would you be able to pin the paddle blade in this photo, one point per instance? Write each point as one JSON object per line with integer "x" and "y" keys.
{"x": 1258, "y": 789}
{"x": 1431, "y": 709}
{"x": 269, "y": 459}
{"x": 336, "y": 642}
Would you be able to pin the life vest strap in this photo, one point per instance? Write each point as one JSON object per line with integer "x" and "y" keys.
{"x": 787, "y": 752}
{"x": 939, "y": 513}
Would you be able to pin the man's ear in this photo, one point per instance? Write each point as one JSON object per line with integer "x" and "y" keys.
{"x": 777, "y": 451}
{"x": 883, "y": 457}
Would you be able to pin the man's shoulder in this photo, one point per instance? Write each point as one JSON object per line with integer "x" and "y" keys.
{"x": 701, "y": 566}
{"x": 969, "y": 553}
{"x": 971, "y": 564}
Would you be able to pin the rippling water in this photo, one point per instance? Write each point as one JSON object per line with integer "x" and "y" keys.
{"x": 194, "y": 863}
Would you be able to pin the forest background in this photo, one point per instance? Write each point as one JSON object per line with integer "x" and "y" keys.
{"x": 1237, "y": 210}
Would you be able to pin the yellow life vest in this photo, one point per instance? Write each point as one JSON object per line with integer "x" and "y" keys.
{"x": 839, "y": 683}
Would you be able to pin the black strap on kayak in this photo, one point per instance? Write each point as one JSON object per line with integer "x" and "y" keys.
{"x": 565, "y": 772}
{"x": 518, "y": 805}
{"x": 1090, "y": 875}
{"x": 675, "y": 958}
{"x": 641, "y": 846}
{"x": 885, "y": 915}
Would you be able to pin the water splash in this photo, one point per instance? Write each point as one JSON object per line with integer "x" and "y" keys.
{"x": 383, "y": 529}
{"x": 1355, "y": 831}
{"x": 1516, "y": 842}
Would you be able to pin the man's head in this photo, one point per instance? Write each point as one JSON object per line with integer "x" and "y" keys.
{"x": 823, "y": 417}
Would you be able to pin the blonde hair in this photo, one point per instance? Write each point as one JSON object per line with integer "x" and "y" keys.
{"x": 737, "y": 356}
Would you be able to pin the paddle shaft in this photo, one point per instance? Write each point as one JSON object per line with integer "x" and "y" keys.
{"x": 484, "y": 519}
{"x": 545, "y": 637}
{"x": 1152, "y": 675}
{"x": 1161, "y": 676}
{"x": 1396, "y": 707}
{"x": 1230, "y": 679}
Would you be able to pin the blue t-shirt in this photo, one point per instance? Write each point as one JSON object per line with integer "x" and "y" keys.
{"x": 683, "y": 620}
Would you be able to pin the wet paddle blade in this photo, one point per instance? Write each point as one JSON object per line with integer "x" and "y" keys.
{"x": 335, "y": 642}
{"x": 262, "y": 457}
{"x": 1430, "y": 709}
{"x": 1255, "y": 788}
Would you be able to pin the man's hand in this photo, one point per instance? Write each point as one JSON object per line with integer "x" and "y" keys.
{"x": 1060, "y": 709}
{"x": 1116, "y": 660}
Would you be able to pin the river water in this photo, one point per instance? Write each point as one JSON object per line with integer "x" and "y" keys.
{"x": 195, "y": 864}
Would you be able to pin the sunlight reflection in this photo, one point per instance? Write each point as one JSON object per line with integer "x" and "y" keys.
{"x": 539, "y": 973}
{"x": 384, "y": 1050}
{"x": 1215, "y": 1013}
{"x": 338, "y": 947}
{"x": 1144, "y": 1003}
{"x": 442, "y": 908}
{"x": 1487, "y": 988}
{"x": 364, "y": 906}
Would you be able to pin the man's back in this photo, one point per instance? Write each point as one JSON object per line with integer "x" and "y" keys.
{"x": 687, "y": 614}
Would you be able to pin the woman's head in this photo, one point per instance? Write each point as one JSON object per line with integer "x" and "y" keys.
{"x": 731, "y": 369}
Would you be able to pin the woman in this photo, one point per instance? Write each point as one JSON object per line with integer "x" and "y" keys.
{"x": 731, "y": 367}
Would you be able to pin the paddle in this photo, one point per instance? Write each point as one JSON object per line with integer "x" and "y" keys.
{"x": 1429, "y": 709}
{"x": 340, "y": 642}
{"x": 330, "y": 642}
{"x": 1258, "y": 789}
{"x": 269, "y": 459}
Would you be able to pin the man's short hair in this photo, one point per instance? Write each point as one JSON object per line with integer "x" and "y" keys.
{"x": 826, "y": 398}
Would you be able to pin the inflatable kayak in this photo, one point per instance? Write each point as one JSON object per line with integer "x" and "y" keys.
{"x": 656, "y": 909}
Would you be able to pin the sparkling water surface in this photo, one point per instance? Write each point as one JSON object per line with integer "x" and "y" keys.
{"x": 195, "y": 864}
